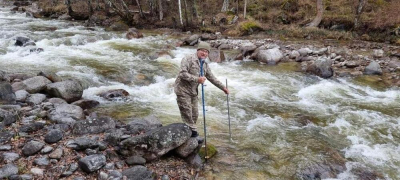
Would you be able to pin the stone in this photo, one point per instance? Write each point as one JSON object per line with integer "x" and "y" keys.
{"x": 8, "y": 117}
{"x": 50, "y": 75}
{"x": 37, "y": 171}
{"x": 86, "y": 103}
{"x": 140, "y": 125}
{"x": 57, "y": 101}
{"x": 192, "y": 38}
{"x": 4, "y": 76}
{"x": 72, "y": 168}
{"x": 21, "y": 177}
{"x": 5, "y": 147}
{"x": 157, "y": 142}
{"x": 109, "y": 166}
{"x": 20, "y": 41}
{"x": 294, "y": 54}
{"x": 321, "y": 67}
{"x": 133, "y": 33}
{"x": 42, "y": 161}
{"x": 32, "y": 148}
{"x": 8, "y": 170}
{"x": 378, "y": 53}
{"x": 114, "y": 175}
{"x": 64, "y": 113}
{"x": 373, "y": 69}
{"x": 69, "y": 90}
{"x": 187, "y": 148}
{"x": 113, "y": 137}
{"x": 32, "y": 127}
{"x": 21, "y": 95}
{"x": 35, "y": 99}
{"x": 35, "y": 84}
{"x": 270, "y": 56}
{"x": 92, "y": 163}
{"x": 115, "y": 93}
{"x": 352, "y": 64}
{"x": 9, "y": 157}
{"x": 82, "y": 143}
{"x": 93, "y": 126}
{"x": 46, "y": 150}
{"x": 6, "y": 136}
{"x": 7, "y": 95}
{"x": 305, "y": 51}
{"x": 138, "y": 172}
{"x": 247, "y": 49}
{"x": 102, "y": 176}
{"x": 53, "y": 136}
{"x": 135, "y": 160}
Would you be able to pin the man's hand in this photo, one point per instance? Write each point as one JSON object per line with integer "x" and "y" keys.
{"x": 226, "y": 90}
{"x": 201, "y": 80}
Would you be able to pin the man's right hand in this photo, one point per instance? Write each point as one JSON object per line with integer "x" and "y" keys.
{"x": 201, "y": 80}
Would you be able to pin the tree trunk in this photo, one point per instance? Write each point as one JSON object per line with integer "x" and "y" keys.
{"x": 320, "y": 13}
{"x": 186, "y": 14}
{"x": 361, "y": 4}
{"x": 194, "y": 9}
{"x": 180, "y": 12}
{"x": 68, "y": 3}
{"x": 160, "y": 9}
{"x": 140, "y": 9}
{"x": 244, "y": 9}
{"x": 90, "y": 7}
{"x": 225, "y": 6}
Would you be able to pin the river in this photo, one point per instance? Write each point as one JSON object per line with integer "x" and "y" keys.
{"x": 283, "y": 122}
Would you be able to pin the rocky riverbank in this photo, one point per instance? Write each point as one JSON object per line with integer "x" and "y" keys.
{"x": 46, "y": 132}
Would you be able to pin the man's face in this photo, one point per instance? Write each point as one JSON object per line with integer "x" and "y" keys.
{"x": 202, "y": 53}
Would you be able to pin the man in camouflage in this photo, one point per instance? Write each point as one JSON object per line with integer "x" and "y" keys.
{"x": 187, "y": 82}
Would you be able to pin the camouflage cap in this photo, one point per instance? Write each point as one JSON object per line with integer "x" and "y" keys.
{"x": 204, "y": 45}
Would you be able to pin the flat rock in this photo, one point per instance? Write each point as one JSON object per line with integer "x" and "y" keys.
{"x": 93, "y": 126}
{"x": 9, "y": 157}
{"x": 8, "y": 170}
{"x": 138, "y": 172}
{"x": 36, "y": 84}
{"x": 92, "y": 163}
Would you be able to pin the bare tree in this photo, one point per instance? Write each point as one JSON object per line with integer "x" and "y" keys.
{"x": 360, "y": 6}
{"x": 120, "y": 7}
{"x": 160, "y": 9}
{"x": 244, "y": 9}
{"x": 225, "y": 6}
{"x": 140, "y": 9}
{"x": 320, "y": 13}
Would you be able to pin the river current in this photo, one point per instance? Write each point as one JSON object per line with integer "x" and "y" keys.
{"x": 284, "y": 122}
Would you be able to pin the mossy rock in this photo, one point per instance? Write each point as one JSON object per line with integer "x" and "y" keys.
{"x": 248, "y": 27}
{"x": 211, "y": 151}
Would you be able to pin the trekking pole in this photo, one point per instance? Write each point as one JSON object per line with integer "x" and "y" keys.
{"x": 204, "y": 111}
{"x": 229, "y": 117}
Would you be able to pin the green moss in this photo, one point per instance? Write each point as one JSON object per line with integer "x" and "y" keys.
{"x": 249, "y": 26}
{"x": 211, "y": 151}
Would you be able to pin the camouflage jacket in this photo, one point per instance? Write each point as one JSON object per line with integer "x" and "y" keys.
{"x": 187, "y": 81}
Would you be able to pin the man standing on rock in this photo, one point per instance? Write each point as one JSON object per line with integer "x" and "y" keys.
{"x": 188, "y": 81}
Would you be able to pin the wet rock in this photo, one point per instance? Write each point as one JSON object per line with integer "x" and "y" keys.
{"x": 69, "y": 90}
{"x": 21, "y": 95}
{"x": 53, "y": 136}
{"x": 321, "y": 67}
{"x": 35, "y": 99}
{"x": 37, "y": 171}
{"x": 32, "y": 127}
{"x": 216, "y": 56}
{"x": 46, "y": 150}
{"x": 92, "y": 163}
{"x": 86, "y": 103}
{"x": 373, "y": 69}
{"x": 305, "y": 51}
{"x": 35, "y": 84}
{"x": 9, "y": 157}
{"x": 37, "y": 50}
{"x": 20, "y": 41}
{"x": 116, "y": 93}
{"x": 138, "y": 172}
{"x": 5, "y": 147}
{"x": 53, "y": 77}
{"x": 32, "y": 148}
{"x": 270, "y": 56}
{"x": 187, "y": 148}
{"x": 133, "y": 33}
{"x": 191, "y": 39}
{"x": 8, "y": 170}
{"x": 140, "y": 125}
{"x": 135, "y": 160}
{"x": 66, "y": 114}
{"x": 56, "y": 154}
{"x": 42, "y": 161}
{"x": 7, "y": 95}
{"x": 6, "y": 136}
{"x": 4, "y": 76}
{"x": 247, "y": 49}
{"x": 294, "y": 54}
{"x": 72, "y": 168}
{"x": 156, "y": 142}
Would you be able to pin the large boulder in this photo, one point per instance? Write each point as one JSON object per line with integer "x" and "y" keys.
{"x": 321, "y": 67}
{"x": 373, "y": 69}
{"x": 247, "y": 49}
{"x": 138, "y": 173}
{"x": 7, "y": 95}
{"x": 270, "y": 56}
{"x": 92, "y": 163}
{"x": 69, "y": 90}
{"x": 36, "y": 84}
{"x": 156, "y": 142}
{"x": 192, "y": 40}
{"x": 216, "y": 55}
{"x": 141, "y": 125}
{"x": 93, "y": 126}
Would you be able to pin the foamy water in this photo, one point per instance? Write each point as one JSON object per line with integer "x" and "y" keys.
{"x": 266, "y": 102}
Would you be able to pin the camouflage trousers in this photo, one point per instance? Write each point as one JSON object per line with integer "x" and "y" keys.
{"x": 188, "y": 106}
